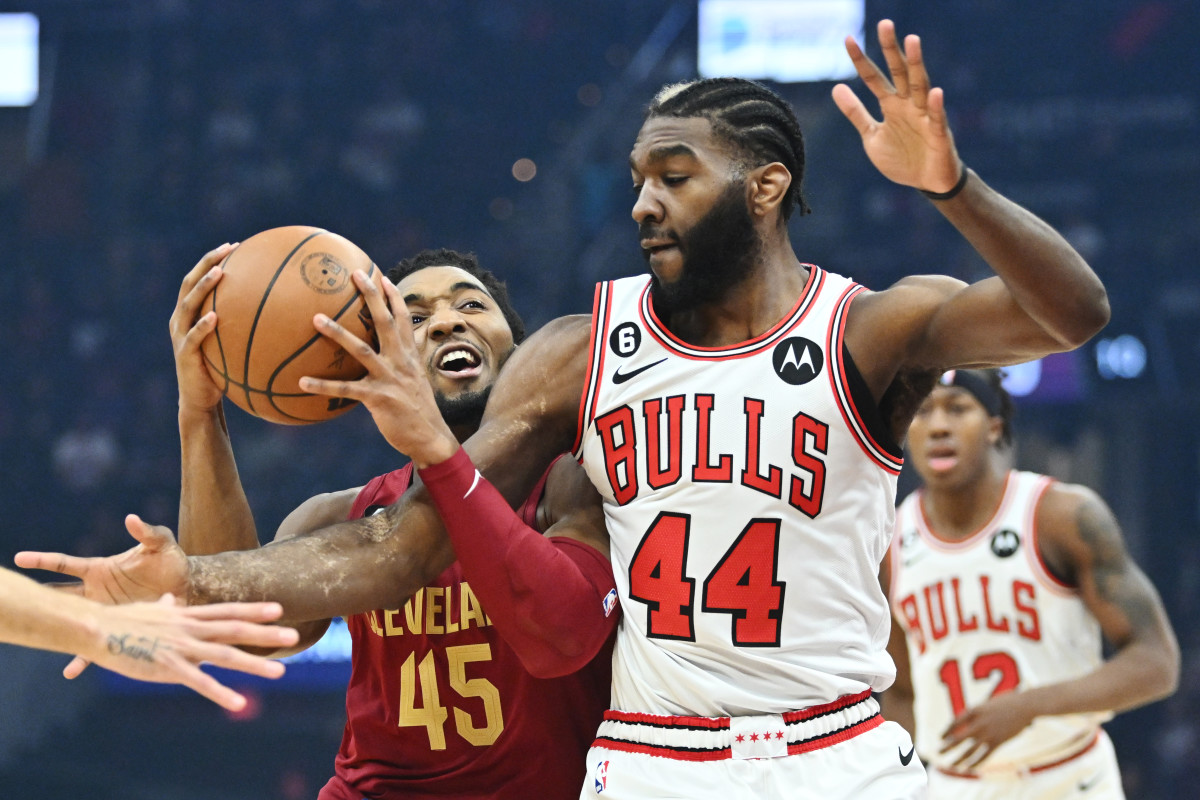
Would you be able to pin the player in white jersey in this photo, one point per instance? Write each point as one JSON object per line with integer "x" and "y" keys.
{"x": 1002, "y": 583}
{"x": 766, "y": 439}
{"x": 754, "y": 632}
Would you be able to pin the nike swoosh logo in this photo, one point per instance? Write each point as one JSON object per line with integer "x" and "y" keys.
{"x": 621, "y": 377}
{"x": 904, "y": 759}
{"x": 1086, "y": 785}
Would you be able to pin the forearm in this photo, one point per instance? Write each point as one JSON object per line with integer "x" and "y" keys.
{"x": 546, "y": 596}
{"x": 344, "y": 569}
{"x": 32, "y": 615}
{"x": 1047, "y": 277}
{"x": 1136, "y": 675}
{"x": 214, "y": 515}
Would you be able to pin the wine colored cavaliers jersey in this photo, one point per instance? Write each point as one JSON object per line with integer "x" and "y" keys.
{"x": 749, "y": 502}
{"x": 439, "y": 706}
{"x": 983, "y": 616}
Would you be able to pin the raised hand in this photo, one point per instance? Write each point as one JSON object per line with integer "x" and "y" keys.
{"x": 165, "y": 643}
{"x": 912, "y": 145}
{"x": 396, "y": 387}
{"x": 154, "y": 567}
{"x": 197, "y": 390}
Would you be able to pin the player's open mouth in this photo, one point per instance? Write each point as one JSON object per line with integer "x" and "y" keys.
{"x": 458, "y": 361}
{"x": 942, "y": 459}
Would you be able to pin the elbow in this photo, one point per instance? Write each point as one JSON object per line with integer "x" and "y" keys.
{"x": 1162, "y": 666}
{"x": 1169, "y": 670}
{"x": 1088, "y": 318}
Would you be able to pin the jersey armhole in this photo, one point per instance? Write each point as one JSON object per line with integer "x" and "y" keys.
{"x": 859, "y": 409}
{"x": 601, "y": 308}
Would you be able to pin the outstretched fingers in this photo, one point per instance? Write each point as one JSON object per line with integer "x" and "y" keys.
{"x": 852, "y": 107}
{"x": 917, "y": 76}
{"x": 61, "y": 563}
{"x": 870, "y": 74}
{"x": 894, "y": 56}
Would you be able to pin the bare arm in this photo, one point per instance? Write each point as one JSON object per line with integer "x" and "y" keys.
{"x": 313, "y": 514}
{"x": 1080, "y": 540}
{"x": 1044, "y": 298}
{"x": 158, "y": 642}
{"x": 214, "y": 515}
{"x": 896, "y": 703}
{"x": 1081, "y": 537}
{"x": 380, "y": 561}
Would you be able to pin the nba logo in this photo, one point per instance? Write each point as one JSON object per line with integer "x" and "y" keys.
{"x": 601, "y": 776}
{"x": 610, "y": 602}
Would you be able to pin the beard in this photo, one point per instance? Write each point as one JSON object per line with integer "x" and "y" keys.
{"x": 464, "y": 409}
{"x": 719, "y": 252}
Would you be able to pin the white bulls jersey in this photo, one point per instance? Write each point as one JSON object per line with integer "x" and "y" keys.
{"x": 984, "y": 616}
{"x": 749, "y": 505}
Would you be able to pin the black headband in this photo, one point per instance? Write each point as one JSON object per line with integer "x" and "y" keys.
{"x": 979, "y": 386}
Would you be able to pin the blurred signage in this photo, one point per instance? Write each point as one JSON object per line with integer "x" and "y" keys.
{"x": 18, "y": 59}
{"x": 788, "y": 41}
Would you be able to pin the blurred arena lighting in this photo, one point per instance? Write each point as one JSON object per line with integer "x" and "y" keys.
{"x": 1057, "y": 378}
{"x": 781, "y": 40}
{"x": 1021, "y": 379}
{"x": 524, "y": 169}
{"x": 1123, "y": 356}
{"x": 18, "y": 59}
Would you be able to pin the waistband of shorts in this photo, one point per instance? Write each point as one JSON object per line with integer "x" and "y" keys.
{"x": 716, "y": 738}
{"x": 1092, "y": 741}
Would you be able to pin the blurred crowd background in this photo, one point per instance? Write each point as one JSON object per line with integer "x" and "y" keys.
{"x": 166, "y": 127}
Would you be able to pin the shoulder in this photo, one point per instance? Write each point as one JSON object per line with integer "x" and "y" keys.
{"x": 1076, "y": 529}
{"x": 558, "y": 342}
{"x": 908, "y": 301}
{"x": 545, "y": 374}
{"x": 884, "y": 328}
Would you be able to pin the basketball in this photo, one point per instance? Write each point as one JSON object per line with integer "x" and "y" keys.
{"x": 264, "y": 342}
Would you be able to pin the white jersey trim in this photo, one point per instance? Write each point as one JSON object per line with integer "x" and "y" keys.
{"x": 1033, "y": 554}
{"x": 808, "y": 298}
{"x": 841, "y": 388}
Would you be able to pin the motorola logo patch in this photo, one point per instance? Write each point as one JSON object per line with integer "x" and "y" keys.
{"x": 797, "y": 360}
{"x": 1005, "y": 542}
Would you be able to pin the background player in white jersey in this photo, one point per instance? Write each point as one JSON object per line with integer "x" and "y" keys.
{"x": 1002, "y": 583}
{"x": 779, "y": 706}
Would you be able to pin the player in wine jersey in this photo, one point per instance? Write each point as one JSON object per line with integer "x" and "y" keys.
{"x": 1003, "y": 584}
{"x": 438, "y": 701}
{"x": 749, "y": 490}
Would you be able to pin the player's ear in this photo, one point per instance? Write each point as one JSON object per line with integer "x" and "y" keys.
{"x": 995, "y": 430}
{"x": 768, "y": 187}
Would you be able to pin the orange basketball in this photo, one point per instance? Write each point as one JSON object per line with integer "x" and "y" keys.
{"x": 274, "y": 282}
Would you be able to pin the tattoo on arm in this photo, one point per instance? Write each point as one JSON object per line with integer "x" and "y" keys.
{"x": 1117, "y": 579}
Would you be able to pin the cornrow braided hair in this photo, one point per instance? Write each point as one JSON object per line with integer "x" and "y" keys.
{"x": 756, "y": 121}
